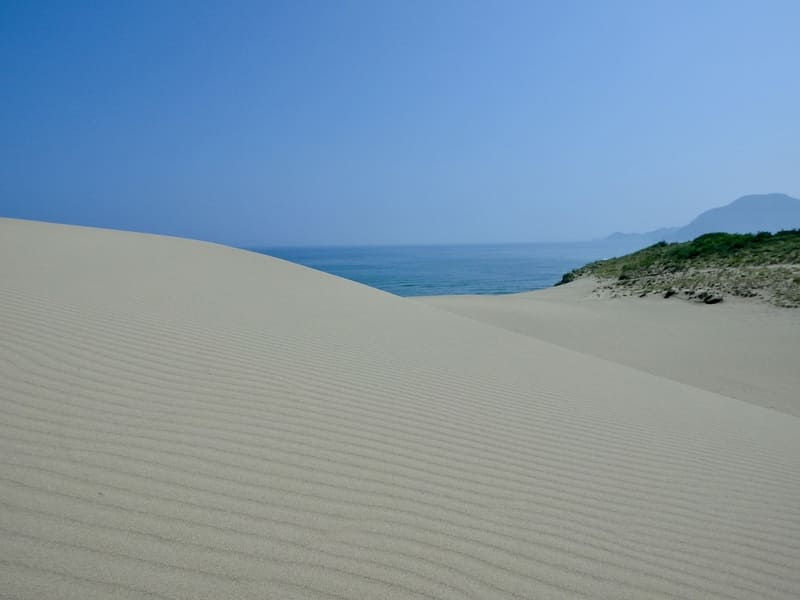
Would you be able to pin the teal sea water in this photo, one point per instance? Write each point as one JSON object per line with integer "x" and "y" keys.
{"x": 458, "y": 269}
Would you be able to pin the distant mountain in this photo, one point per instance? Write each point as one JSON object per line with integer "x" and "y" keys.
{"x": 655, "y": 236}
{"x": 748, "y": 214}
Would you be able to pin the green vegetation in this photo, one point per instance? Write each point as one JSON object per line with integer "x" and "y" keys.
{"x": 763, "y": 264}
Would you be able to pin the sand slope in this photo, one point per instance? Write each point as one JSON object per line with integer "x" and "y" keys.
{"x": 184, "y": 420}
{"x": 743, "y": 349}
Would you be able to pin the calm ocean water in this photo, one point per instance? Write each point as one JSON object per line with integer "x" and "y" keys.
{"x": 461, "y": 269}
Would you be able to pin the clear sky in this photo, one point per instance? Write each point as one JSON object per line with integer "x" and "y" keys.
{"x": 374, "y": 122}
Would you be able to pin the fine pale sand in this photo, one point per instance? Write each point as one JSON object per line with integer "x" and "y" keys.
{"x": 741, "y": 348}
{"x": 185, "y": 420}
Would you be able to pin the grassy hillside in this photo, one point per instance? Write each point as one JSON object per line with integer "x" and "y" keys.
{"x": 707, "y": 268}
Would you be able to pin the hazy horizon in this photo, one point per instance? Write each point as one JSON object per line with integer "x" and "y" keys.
{"x": 381, "y": 124}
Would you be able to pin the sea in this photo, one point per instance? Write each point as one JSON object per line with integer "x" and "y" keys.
{"x": 453, "y": 269}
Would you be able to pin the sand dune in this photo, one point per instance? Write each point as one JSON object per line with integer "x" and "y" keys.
{"x": 741, "y": 348}
{"x": 185, "y": 420}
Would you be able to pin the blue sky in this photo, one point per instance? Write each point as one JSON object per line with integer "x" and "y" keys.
{"x": 394, "y": 122}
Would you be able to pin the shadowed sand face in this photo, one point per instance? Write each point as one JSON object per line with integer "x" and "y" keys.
{"x": 742, "y": 349}
{"x": 185, "y": 420}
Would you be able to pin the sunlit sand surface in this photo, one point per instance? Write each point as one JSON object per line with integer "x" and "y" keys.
{"x": 182, "y": 420}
